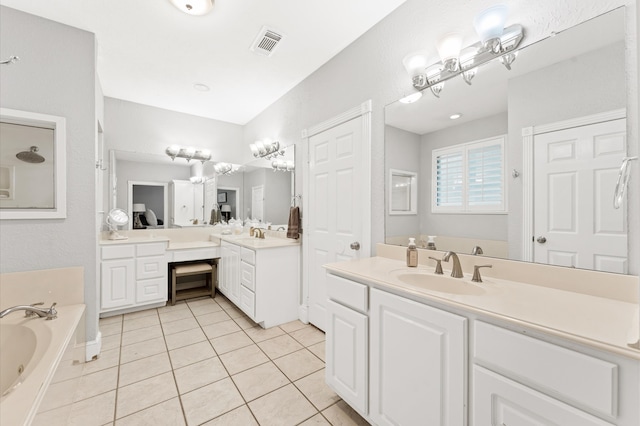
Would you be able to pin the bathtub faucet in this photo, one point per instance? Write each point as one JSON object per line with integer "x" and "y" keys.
{"x": 31, "y": 310}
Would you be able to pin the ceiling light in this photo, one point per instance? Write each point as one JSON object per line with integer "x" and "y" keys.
{"x": 194, "y": 7}
{"x": 411, "y": 98}
{"x": 455, "y": 116}
{"x": 201, "y": 87}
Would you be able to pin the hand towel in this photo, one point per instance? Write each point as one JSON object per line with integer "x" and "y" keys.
{"x": 293, "y": 230}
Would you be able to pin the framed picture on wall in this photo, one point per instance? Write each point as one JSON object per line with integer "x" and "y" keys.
{"x": 222, "y": 197}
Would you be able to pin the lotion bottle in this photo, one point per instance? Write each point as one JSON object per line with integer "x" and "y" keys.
{"x": 412, "y": 253}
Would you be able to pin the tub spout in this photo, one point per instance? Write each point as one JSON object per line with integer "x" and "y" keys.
{"x": 30, "y": 310}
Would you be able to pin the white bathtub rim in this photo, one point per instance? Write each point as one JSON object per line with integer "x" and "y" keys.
{"x": 21, "y": 405}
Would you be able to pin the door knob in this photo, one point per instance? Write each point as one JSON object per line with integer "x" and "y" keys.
{"x": 355, "y": 246}
{"x": 541, "y": 240}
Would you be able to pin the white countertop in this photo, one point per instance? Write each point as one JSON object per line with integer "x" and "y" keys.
{"x": 245, "y": 240}
{"x": 134, "y": 240}
{"x": 595, "y": 321}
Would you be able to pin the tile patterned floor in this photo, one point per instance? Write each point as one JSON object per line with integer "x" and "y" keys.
{"x": 200, "y": 362}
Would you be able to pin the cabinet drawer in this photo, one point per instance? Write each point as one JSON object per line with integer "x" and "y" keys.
{"x": 151, "y": 267}
{"x": 248, "y": 255}
{"x": 151, "y": 249}
{"x": 247, "y": 302}
{"x": 153, "y": 290}
{"x": 118, "y": 252}
{"x": 347, "y": 292}
{"x": 195, "y": 254}
{"x": 247, "y": 275}
{"x": 579, "y": 379}
{"x": 500, "y": 401}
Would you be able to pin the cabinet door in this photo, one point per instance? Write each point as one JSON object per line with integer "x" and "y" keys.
{"x": 117, "y": 284}
{"x": 346, "y": 352}
{"x": 223, "y": 277}
{"x": 500, "y": 401}
{"x": 418, "y": 363}
{"x": 234, "y": 273}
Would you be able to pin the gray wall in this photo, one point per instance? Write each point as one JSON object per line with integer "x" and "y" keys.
{"x": 56, "y": 76}
{"x": 371, "y": 68}
{"x": 141, "y": 128}
{"x": 482, "y": 226}
{"x": 402, "y": 152}
{"x": 560, "y": 92}
{"x": 277, "y": 197}
{"x": 145, "y": 172}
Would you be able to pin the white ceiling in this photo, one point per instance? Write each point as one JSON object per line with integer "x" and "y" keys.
{"x": 151, "y": 53}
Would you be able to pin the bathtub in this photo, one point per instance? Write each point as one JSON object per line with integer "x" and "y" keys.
{"x": 30, "y": 351}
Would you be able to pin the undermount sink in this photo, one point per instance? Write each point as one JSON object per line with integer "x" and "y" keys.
{"x": 439, "y": 283}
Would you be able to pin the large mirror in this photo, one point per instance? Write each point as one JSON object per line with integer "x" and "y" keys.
{"x": 523, "y": 163}
{"x": 158, "y": 192}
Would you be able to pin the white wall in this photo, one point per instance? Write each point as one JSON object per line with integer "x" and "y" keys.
{"x": 56, "y": 76}
{"x": 371, "y": 68}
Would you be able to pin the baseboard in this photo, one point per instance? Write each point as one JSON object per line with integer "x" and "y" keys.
{"x": 303, "y": 313}
{"x": 92, "y": 348}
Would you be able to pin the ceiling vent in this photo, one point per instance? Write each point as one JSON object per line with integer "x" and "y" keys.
{"x": 266, "y": 42}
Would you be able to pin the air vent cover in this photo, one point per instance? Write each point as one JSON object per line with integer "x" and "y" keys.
{"x": 266, "y": 42}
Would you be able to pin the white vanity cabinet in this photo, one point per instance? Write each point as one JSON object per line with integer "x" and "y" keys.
{"x": 403, "y": 363}
{"x": 262, "y": 282}
{"x": 518, "y": 379}
{"x": 418, "y": 363}
{"x": 132, "y": 275}
{"x": 347, "y": 349}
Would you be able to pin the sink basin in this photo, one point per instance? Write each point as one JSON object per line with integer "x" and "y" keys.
{"x": 439, "y": 283}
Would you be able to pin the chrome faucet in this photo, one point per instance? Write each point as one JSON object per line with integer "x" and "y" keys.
{"x": 31, "y": 310}
{"x": 456, "y": 271}
{"x": 257, "y": 232}
{"x": 476, "y": 273}
{"x": 476, "y": 250}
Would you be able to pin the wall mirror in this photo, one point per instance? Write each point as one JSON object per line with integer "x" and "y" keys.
{"x": 256, "y": 190}
{"x": 403, "y": 189}
{"x": 555, "y": 207}
{"x": 32, "y": 165}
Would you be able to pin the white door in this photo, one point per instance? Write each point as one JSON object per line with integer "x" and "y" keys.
{"x": 257, "y": 202}
{"x": 575, "y": 176}
{"x": 418, "y": 363}
{"x": 335, "y": 209}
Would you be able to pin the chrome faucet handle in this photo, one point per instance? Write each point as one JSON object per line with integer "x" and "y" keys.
{"x": 476, "y": 273}
{"x": 52, "y": 313}
{"x": 28, "y": 313}
{"x": 438, "y": 270}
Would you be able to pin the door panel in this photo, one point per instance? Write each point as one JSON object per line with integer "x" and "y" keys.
{"x": 334, "y": 217}
{"x": 575, "y": 174}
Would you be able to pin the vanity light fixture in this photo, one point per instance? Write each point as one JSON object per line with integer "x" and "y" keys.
{"x": 495, "y": 41}
{"x": 266, "y": 149}
{"x": 282, "y": 166}
{"x": 225, "y": 168}
{"x": 194, "y": 7}
{"x": 188, "y": 152}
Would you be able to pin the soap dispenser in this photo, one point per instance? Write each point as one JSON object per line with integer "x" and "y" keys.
{"x": 412, "y": 253}
{"x": 431, "y": 242}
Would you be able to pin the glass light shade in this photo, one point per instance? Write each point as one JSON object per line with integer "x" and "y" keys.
{"x": 194, "y": 7}
{"x": 254, "y": 149}
{"x": 449, "y": 46}
{"x": 260, "y": 147}
{"x": 189, "y": 151}
{"x": 415, "y": 63}
{"x": 173, "y": 150}
{"x": 489, "y": 24}
{"x": 205, "y": 153}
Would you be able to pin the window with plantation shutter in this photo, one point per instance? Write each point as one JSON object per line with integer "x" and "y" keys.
{"x": 469, "y": 178}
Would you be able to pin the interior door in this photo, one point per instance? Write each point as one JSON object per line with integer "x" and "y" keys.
{"x": 257, "y": 202}
{"x": 575, "y": 172}
{"x": 334, "y": 216}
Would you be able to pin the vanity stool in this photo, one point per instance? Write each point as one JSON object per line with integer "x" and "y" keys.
{"x": 186, "y": 290}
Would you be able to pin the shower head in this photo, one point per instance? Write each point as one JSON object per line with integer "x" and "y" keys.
{"x": 30, "y": 156}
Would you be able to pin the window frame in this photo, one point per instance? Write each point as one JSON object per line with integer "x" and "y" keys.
{"x": 464, "y": 149}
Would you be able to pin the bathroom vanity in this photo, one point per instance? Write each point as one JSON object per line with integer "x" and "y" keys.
{"x": 403, "y": 348}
